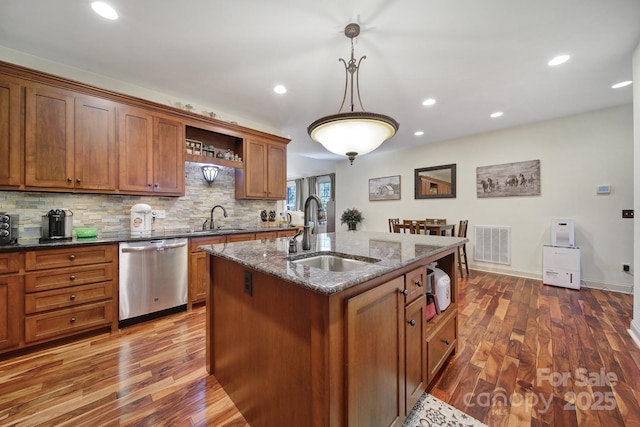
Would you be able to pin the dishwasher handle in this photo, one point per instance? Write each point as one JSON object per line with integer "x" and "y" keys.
{"x": 153, "y": 248}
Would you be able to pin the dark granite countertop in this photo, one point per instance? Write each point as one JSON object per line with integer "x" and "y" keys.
{"x": 393, "y": 250}
{"x": 117, "y": 237}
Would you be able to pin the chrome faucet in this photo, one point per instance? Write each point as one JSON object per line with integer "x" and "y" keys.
{"x": 224, "y": 211}
{"x": 306, "y": 244}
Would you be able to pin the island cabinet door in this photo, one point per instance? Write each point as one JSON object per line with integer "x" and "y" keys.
{"x": 375, "y": 356}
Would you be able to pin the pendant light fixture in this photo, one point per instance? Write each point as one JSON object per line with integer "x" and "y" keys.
{"x": 352, "y": 133}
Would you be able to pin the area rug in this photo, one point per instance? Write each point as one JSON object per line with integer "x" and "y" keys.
{"x": 430, "y": 411}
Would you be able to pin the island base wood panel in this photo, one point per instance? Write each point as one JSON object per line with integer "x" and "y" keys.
{"x": 288, "y": 355}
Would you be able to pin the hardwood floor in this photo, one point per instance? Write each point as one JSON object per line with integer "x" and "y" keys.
{"x": 153, "y": 374}
{"x": 558, "y": 357}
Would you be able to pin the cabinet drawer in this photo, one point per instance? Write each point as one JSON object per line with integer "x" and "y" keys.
{"x": 195, "y": 242}
{"x": 240, "y": 237}
{"x": 67, "y": 297}
{"x": 9, "y": 262}
{"x": 68, "y": 257}
{"x": 60, "y": 323}
{"x": 441, "y": 345}
{"x": 64, "y": 277}
{"x": 414, "y": 283}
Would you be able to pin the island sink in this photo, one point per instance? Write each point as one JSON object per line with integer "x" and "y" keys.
{"x": 333, "y": 262}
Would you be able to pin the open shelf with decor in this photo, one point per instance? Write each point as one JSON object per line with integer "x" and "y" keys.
{"x": 205, "y": 146}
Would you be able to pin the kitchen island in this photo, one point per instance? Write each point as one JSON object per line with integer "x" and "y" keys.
{"x": 294, "y": 344}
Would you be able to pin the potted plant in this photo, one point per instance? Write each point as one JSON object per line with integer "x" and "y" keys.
{"x": 351, "y": 217}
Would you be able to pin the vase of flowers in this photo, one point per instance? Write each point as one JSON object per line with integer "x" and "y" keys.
{"x": 351, "y": 217}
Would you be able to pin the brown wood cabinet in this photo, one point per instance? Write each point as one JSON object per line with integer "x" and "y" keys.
{"x": 11, "y": 285}
{"x": 151, "y": 150}
{"x": 361, "y": 356}
{"x": 375, "y": 377}
{"x": 69, "y": 140}
{"x": 69, "y": 290}
{"x": 265, "y": 171}
{"x": 199, "y": 268}
{"x": 11, "y": 164}
{"x": 49, "y": 126}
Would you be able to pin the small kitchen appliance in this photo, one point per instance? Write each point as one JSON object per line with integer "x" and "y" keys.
{"x": 443, "y": 288}
{"x": 57, "y": 224}
{"x": 141, "y": 219}
{"x": 8, "y": 228}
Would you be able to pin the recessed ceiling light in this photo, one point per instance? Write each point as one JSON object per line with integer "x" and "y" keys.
{"x": 561, "y": 59}
{"x": 104, "y": 10}
{"x": 621, "y": 84}
{"x": 496, "y": 114}
{"x": 418, "y": 133}
{"x": 279, "y": 89}
{"x": 428, "y": 102}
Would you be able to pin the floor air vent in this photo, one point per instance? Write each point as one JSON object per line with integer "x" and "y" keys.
{"x": 492, "y": 244}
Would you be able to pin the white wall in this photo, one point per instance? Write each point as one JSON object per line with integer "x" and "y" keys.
{"x": 635, "y": 323}
{"x": 576, "y": 154}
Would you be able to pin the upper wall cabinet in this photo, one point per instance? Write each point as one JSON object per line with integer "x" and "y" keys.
{"x": 69, "y": 140}
{"x": 151, "y": 149}
{"x": 10, "y": 134}
{"x": 265, "y": 170}
{"x": 61, "y": 135}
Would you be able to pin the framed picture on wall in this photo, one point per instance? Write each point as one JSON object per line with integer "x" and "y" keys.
{"x": 509, "y": 179}
{"x": 385, "y": 188}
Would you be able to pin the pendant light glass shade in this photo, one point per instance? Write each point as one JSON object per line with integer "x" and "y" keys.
{"x": 352, "y": 133}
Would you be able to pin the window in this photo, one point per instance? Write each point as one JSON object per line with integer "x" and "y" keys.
{"x": 290, "y": 203}
{"x": 324, "y": 190}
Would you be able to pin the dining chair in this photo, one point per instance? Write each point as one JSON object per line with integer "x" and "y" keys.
{"x": 392, "y": 225}
{"x": 462, "y": 250}
{"x": 414, "y": 226}
{"x": 436, "y": 221}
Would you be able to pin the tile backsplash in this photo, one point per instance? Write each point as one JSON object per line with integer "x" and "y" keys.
{"x": 110, "y": 213}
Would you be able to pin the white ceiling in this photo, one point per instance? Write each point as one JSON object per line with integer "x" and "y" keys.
{"x": 474, "y": 56}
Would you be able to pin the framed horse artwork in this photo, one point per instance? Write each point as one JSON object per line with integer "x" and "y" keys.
{"x": 509, "y": 179}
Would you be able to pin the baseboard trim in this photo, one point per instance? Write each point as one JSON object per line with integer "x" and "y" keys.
{"x": 634, "y": 331}
{"x": 612, "y": 287}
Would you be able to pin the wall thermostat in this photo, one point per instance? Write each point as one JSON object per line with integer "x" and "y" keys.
{"x": 603, "y": 189}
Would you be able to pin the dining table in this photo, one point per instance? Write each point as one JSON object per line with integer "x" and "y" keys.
{"x": 439, "y": 229}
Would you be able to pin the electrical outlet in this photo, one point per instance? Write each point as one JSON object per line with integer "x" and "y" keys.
{"x": 248, "y": 283}
{"x": 159, "y": 213}
{"x": 626, "y": 268}
{"x": 627, "y": 213}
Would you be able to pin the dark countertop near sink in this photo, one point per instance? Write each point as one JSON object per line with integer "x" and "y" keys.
{"x": 117, "y": 237}
{"x": 394, "y": 250}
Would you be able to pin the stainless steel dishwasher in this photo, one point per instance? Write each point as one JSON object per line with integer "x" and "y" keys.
{"x": 153, "y": 279}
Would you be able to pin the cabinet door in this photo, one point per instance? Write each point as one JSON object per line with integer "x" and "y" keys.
{"x": 256, "y": 169}
{"x": 168, "y": 161}
{"x": 277, "y": 172}
{"x": 375, "y": 360}
{"x": 10, "y": 310}
{"x": 10, "y": 142}
{"x": 415, "y": 351}
{"x": 95, "y": 144}
{"x": 49, "y": 138}
{"x": 135, "y": 150}
{"x": 198, "y": 277}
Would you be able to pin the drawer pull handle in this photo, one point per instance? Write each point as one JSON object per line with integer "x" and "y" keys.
{"x": 447, "y": 342}
{"x": 412, "y": 322}
{"x": 72, "y": 277}
{"x": 405, "y": 292}
{"x": 73, "y": 319}
{"x": 72, "y": 257}
{"x": 72, "y": 297}
{"x": 419, "y": 283}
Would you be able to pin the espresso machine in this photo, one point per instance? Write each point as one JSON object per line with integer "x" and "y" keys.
{"x": 57, "y": 224}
